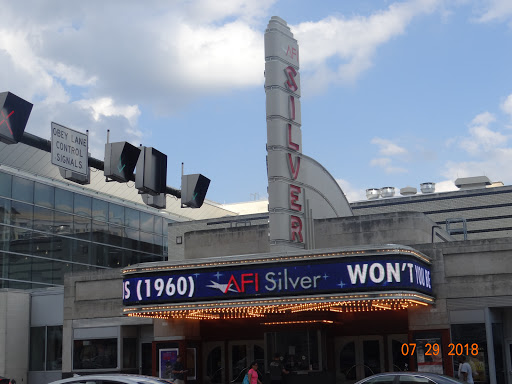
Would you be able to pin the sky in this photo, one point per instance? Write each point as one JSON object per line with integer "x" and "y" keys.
{"x": 394, "y": 93}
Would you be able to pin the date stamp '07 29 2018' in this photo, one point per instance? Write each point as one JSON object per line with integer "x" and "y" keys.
{"x": 433, "y": 349}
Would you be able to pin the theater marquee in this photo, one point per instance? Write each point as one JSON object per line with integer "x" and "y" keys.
{"x": 389, "y": 277}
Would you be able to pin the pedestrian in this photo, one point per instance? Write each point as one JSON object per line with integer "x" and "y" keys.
{"x": 179, "y": 371}
{"x": 277, "y": 370}
{"x": 253, "y": 374}
{"x": 466, "y": 371}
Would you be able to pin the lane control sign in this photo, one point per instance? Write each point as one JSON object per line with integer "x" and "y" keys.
{"x": 70, "y": 149}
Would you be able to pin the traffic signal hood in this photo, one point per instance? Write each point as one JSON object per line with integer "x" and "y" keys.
{"x": 14, "y": 115}
{"x": 193, "y": 190}
{"x": 151, "y": 175}
{"x": 120, "y": 161}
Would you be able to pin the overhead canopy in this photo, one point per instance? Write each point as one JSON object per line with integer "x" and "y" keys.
{"x": 391, "y": 277}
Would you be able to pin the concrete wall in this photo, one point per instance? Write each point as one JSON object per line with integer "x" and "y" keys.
{"x": 93, "y": 304}
{"x": 176, "y": 329}
{"x": 46, "y": 309}
{"x": 467, "y": 277}
{"x": 14, "y": 334}
{"x": 177, "y": 232}
{"x": 227, "y": 242}
{"x": 398, "y": 227}
{"x": 488, "y": 210}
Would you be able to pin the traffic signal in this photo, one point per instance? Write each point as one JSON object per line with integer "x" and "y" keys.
{"x": 151, "y": 175}
{"x": 75, "y": 177}
{"x": 193, "y": 190}
{"x": 120, "y": 161}
{"x": 157, "y": 201}
{"x": 13, "y": 117}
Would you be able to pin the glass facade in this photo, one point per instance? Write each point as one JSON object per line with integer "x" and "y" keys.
{"x": 464, "y": 337}
{"x": 46, "y": 231}
{"x": 46, "y": 348}
{"x": 95, "y": 354}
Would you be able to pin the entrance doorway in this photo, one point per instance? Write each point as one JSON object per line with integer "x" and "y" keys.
{"x": 214, "y": 363}
{"x": 397, "y": 361}
{"x": 358, "y": 357}
{"x": 241, "y": 354}
{"x": 146, "y": 359}
{"x": 508, "y": 353}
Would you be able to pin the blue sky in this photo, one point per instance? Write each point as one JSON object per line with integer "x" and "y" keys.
{"x": 394, "y": 93}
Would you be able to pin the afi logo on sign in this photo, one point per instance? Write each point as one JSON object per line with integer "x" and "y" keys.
{"x": 245, "y": 279}
{"x": 292, "y": 53}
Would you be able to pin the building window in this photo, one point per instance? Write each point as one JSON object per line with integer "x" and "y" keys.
{"x": 115, "y": 214}
{"x": 24, "y": 189}
{"x": 99, "y": 210}
{"x": 129, "y": 352}
{"x": 95, "y": 354}
{"x": 64, "y": 200}
{"x": 46, "y": 348}
{"x": 44, "y": 195}
{"x": 473, "y": 334}
{"x": 37, "y": 350}
{"x": 5, "y": 184}
{"x": 82, "y": 205}
{"x": 147, "y": 222}
{"x": 131, "y": 218}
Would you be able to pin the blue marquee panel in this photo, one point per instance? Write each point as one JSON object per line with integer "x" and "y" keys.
{"x": 383, "y": 273}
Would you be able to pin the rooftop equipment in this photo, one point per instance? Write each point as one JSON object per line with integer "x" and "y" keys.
{"x": 408, "y": 191}
{"x": 387, "y": 191}
{"x": 372, "y": 193}
{"x": 472, "y": 182}
{"x": 428, "y": 187}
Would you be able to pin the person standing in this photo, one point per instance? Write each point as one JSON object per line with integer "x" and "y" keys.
{"x": 466, "y": 371}
{"x": 277, "y": 370}
{"x": 253, "y": 374}
{"x": 179, "y": 371}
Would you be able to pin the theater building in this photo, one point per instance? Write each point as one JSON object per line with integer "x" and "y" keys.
{"x": 335, "y": 314}
{"x": 341, "y": 291}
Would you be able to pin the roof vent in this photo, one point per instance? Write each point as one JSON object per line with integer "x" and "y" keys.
{"x": 408, "y": 191}
{"x": 428, "y": 187}
{"x": 387, "y": 191}
{"x": 472, "y": 182}
{"x": 372, "y": 193}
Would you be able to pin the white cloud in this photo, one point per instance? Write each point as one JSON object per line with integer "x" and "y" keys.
{"x": 208, "y": 11}
{"x": 495, "y": 10}
{"x": 355, "y": 40}
{"x": 491, "y": 154}
{"x": 211, "y": 57}
{"x": 388, "y": 148}
{"x": 93, "y": 70}
{"x": 105, "y": 107}
{"x": 386, "y": 165}
{"x": 162, "y": 55}
{"x": 481, "y": 137}
{"x": 380, "y": 162}
{"x": 506, "y": 106}
{"x": 446, "y": 186}
{"x": 70, "y": 74}
{"x": 352, "y": 193}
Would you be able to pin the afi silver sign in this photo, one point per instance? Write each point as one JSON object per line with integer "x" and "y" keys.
{"x": 299, "y": 188}
{"x": 70, "y": 149}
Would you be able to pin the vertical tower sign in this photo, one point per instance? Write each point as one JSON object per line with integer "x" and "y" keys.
{"x": 288, "y": 224}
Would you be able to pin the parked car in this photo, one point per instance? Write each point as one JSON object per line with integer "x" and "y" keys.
{"x": 408, "y": 378}
{"x": 5, "y": 380}
{"x": 114, "y": 378}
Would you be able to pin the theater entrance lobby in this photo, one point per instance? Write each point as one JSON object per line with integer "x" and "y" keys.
{"x": 334, "y": 315}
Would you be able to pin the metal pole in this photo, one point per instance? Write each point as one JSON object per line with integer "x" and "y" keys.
{"x": 46, "y": 145}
